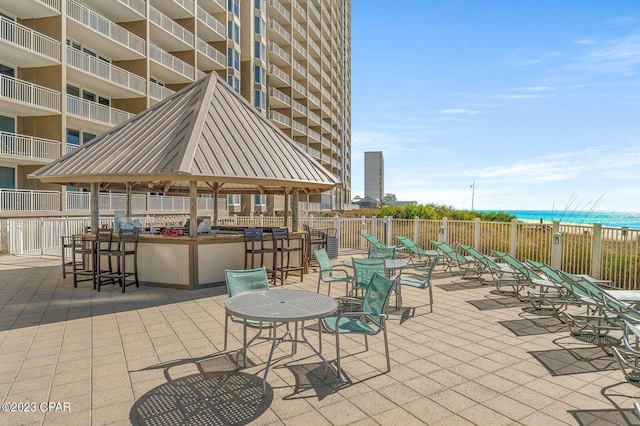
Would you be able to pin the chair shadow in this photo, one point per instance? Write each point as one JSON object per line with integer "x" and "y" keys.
{"x": 311, "y": 377}
{"x": 609, "y": 417}
{"x": 563, "y": 362}
{"x": 217, "y": 395}
{"x": 464, "y": 285}
{"x": 532, "y": 327}
{"x": 495, "y": 303}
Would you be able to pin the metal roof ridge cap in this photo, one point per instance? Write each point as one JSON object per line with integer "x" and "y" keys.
{"x": 188, "y": 152}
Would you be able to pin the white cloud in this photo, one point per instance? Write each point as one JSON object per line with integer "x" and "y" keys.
{"x": 458, "y": 111}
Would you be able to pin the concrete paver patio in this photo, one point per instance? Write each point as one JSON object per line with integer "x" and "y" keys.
{"x": 154, "y": 356}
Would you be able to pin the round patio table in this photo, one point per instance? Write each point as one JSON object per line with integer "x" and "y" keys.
{"x": 276, "y": 306}
{"x": 395, "y": 267}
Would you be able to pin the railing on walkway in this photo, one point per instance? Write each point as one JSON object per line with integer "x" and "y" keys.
{"x": 30, "y": 147}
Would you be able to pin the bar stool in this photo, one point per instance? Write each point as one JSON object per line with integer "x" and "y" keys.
{"x": 125, "y": 246}
{"x": 254, "y": 245}
{"x": 82, "y": 259}
{"x": 282, "y": 243}
{"x": 317, "y": 240}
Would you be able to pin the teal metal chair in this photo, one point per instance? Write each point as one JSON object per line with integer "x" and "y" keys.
{"x": 368, "y": 321}
{"x": 419, "y": 284}
{"x": 452, "y": 258}
{"x": 243, "y": 281}
{"x": 330, "y": 274}
{"x": 416, "y": 252}
{"x": 382, "y": 252}
{"x": 363, "y": 271}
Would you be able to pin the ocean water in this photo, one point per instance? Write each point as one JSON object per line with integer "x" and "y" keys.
{"x": 613, "y": 219}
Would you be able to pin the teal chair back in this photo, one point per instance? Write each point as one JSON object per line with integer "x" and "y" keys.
{"x": 364, "y": 269}
{"x": 377, "y": 296}
{"x": 434, "y": 262}
{"x": 246, "y": 280}
{"x": 323, "y": 260}
{"x": 382, "y": 252}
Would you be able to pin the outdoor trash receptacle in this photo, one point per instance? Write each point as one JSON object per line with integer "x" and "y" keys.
{"x": 332, "y": 247}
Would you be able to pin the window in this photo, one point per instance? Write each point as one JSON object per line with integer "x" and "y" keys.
{"x": 234, "y": 82}
{"x": 259, "y": 26}
{"x": 260, "y": 200}
{"x": 7, "y": 177}
{"x": 233, "y": 200}
{"x": 260, "y": 4}
{"x": 260, "y": 99}
{"x": 73, "y": 90}
{"x": 259, "y": 75}
{"x": 259, "y": 51}
{"x": 73, "y": 137}
{"x": 233, "y": 59}
{"x": 234, "y": 6}
{"x": 233, "y": 31}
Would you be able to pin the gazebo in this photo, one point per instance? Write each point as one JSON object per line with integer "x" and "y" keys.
{"x": 204, "y": 138}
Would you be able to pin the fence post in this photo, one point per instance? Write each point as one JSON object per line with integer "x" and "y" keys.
{"x": 416, "y": 230}
{"x": 476, "y": 233}
{"x": 261, "y": 221}
{"x": 41, "y": 237}
{"x": 389, "y": 237}
{"x": 445, "y": 230}
{"x": 336, "y": 224}
{"x": 374, "y": 226}
{"x": 596, "y": 251}
{"x": 235, "y": 220}
{"x": 363, "y": 228}
{"x": 513, "y": 245}
{"x": 556, "y": 246}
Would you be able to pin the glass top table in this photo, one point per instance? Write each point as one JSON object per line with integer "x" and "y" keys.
{"x": 388, "y": 263}
{"x": 283, "y": 306}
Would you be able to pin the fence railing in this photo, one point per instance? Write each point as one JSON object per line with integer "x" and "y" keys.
{"x": 606, "y": 253}
{"x": 30, "y": 147}
{"x": 105, "y": 70}
{"x": 29, "y": 93}
{"x": 96, "y": 112}
{"x": 28, "y": 39}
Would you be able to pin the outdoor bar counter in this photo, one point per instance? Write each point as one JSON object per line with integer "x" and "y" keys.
{"x": 186, "y": 262}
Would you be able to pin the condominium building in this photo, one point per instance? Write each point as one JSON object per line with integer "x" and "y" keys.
{"x": 374, "y": 175}
{"x": 72, "y": 69}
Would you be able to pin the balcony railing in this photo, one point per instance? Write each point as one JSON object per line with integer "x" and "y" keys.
{"x": 96, "y": 112}
{"x": 171, "y": 61}
{"x": 314, "y": 152}
{"x": 313, "y": 98}
{"x": 302, "y": 70}
{"x": 280, "y": 52}
{"x": 315, "y": 135}
{"x": 212, "y": 53}
{"x": 28, "y": 39}
{"x": 313, "y": 81}
{"x": 299, "y": 107}
{"x": 314, "y": 12}
{"x": 314, "y": 28}
{"x": 212, "y": 22}
{"x": 280, "y": 118}
{"x": 299, "y": 28}
{"x": 170, "y": 26}
{"x": 137, "y": 5}
{"x": 105, "y": 70}
{"x": 277, "y": 6}
{"x": 282, "y": 97}
{"x": 314, "y": 64}
{"x": 14, "y": 145}
{"x": 71, "y": 147}
{"x": 29, "y": 93}
{"x": 313, "y": 116}
{"x": 54, "y": 4}
{"x": 299, "y": 88}
{"x": 299, "y": 127}
{"x": 299, "y": 9}
{"x": 159, "y": 92}
{"x": 23, "y": 200}
{"x": 273, "y": 24}
{"x": 298, "y": 47}
{"x": 98, "y": 23}
{"x": 314, "y": 47}
{"x": 280, "y": 74}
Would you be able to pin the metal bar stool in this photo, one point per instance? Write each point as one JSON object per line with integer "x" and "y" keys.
{"x": 82, "y": 259}
{"x": 254, "y": 245}
{"x": 126, "y": 246}
{"x": 282, "y": 243}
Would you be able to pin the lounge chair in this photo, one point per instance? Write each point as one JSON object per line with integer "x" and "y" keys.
{"x": 368, "y": 321}
{"x": 529, "y": 277}
{"x": 629, "y": 358}
{"x": 416, "y": 252}
{"x": 375, "y": 241}
{"x": 453, "y": 258}
{"x": 496, "y": 270}
{"x": 329, "y": 274}
{"x": 382, "y": 253}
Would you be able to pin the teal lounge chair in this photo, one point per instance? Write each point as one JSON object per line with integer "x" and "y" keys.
{"x": 382, "y": 253}
{"x": 529, "y": 277}
{"x": 416, "y": 252}
{"x": 454, "y": 259}
{"x": 487, "y": 265}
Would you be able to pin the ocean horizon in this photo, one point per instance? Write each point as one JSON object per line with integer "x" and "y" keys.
{"x": 606, "y": 218}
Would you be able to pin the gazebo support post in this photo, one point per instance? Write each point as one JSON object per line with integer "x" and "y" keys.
{"x": 295, "y": 199}
{"x": 286, "y": 207}
{"x": 193, "y": 209}
{"x": 216, "y": 189}
{"x": 128, "y": 200}
{"x": 95, "y": 207}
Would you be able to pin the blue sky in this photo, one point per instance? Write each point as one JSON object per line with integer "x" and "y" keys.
{"x": 537, "y": 101}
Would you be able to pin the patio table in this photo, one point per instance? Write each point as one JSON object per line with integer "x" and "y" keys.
{"x": 283, "y": 306}
{"x": 395, "y": 267}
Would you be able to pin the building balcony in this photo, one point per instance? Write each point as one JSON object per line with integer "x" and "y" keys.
{"x": 281, "y": 14}
{"x": 279, "y": 33}
{"x": 167, "y": 33}
{"x": 299, "y": 28}
{"x": 314, "y": 31}
{"x": 119, "y": 10}
{"x": 159, "y": 92}
{"x": 299, "y": 11}
{"x": 300, "y": 71}
{"x": 314, "y": 66}
{"x": 282, "y": 120}
{"x": 32, "y": 9}
{"x": 314, "y": 135}
{"x": 213, "y": 6}
{"x": 98, "y": 117}
{"x": 313, "y": 13}
{"x": 21, "y": 149}
{"x": 299, "y": 52}
{"x": 299, "y": 129}
{"x": 299, "y": 88}
{"x": 279, "y": 99}
{"x": 312, "y": 80}
{"x": 314, "y": 117}
{"x": 22, "y": 200}
{"x": 209, "y": 28}
{"x": 210, "y": 58}
{"x": 27, "y": 99}
{"x": 299, "y": 110}
{"x": 279, "y": 56}
{"x": 116, "y": 42}
{"x": 175, "y": 9}
{"x": 168, "y": 68}
{"x": 281, "y": 79}
{"x": 71, "y": 147}
{"x": 103, "y": 76}
{"x": 27, "y": 48}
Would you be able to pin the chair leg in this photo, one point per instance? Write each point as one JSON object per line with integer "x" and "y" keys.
{"x": 338, "y": 355}
{"x": 366, "y": 343}
{"x": 430, "y": 298}
{"x": 386, "y": 344}
{"x": 226, "y": 331}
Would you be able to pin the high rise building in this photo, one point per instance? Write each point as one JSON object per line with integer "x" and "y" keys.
{"x": 70, "y": 70}
{"x": 374, "y": 175}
